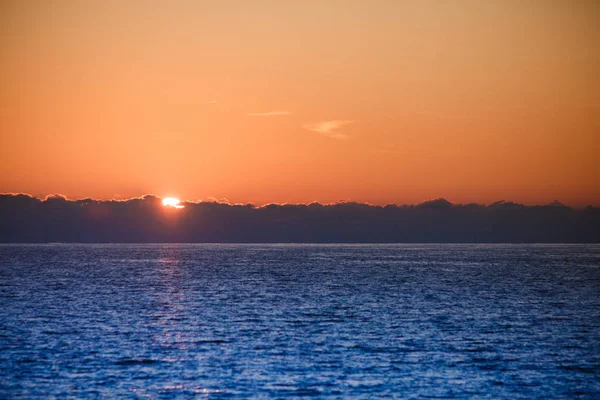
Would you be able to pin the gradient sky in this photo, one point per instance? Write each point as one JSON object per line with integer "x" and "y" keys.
{"x": 298, "y": 101}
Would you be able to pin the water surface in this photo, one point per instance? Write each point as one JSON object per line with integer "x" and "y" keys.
{"x": 222, "y": 321}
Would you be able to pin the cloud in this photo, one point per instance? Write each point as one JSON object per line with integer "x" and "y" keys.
{"x": 330, "y": 128}
{"x": 269, "y": 114}
{"x": 437, "y": 203}
{"x": 211, "y": 102}
{"x": 27, "y": 219}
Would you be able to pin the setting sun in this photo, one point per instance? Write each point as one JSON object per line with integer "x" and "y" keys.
{"x": 172, "y": 202}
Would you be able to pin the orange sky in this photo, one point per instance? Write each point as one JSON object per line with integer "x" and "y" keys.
{"x": 296, "y": 101}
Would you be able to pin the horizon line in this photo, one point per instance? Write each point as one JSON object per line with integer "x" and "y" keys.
{"x": 305, "y": 243}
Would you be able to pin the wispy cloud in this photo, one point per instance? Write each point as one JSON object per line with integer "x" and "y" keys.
{"x": 330, "y": 128}
{"x": 268, "y": 114}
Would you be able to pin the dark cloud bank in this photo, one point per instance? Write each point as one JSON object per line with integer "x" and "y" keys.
{"x": 25, "y": 219}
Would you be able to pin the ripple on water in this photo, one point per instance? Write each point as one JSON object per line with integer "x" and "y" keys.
{"x": 410, "y": 321}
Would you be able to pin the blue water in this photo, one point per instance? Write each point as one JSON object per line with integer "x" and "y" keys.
{"x": 222, "y": 321}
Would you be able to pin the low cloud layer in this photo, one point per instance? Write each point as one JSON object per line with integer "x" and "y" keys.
{"x": 25, "y": 219}
{"x": 330, "y": 128}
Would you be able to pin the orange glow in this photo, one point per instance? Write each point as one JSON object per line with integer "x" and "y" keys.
{"x": 299, "y": 101}
{"x": 172, "y": 202}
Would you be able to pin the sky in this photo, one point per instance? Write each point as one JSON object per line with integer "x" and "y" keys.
{"x": 300, "y": 101}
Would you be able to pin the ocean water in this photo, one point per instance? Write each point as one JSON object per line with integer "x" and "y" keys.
{"x": 327, "y": 321}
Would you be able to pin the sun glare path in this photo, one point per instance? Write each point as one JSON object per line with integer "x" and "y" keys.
{"x": 172, "y": 202}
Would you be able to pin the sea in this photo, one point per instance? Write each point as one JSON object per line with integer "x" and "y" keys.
{"x": 299, "y": 320}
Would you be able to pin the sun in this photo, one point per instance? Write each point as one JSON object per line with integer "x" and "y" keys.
{"x": 172, "y": 202}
